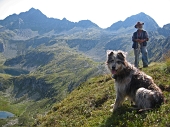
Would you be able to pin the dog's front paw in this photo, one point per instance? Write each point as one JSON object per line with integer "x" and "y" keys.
{"x": 112, "y": 110}
{"x": 112, "y": 105}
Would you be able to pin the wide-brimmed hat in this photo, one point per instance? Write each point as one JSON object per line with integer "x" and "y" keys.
{"x": 139, "y": 23}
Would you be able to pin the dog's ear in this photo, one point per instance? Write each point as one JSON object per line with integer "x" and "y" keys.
{"x": 109, "y": 52}
{"x": 121, "y": 55}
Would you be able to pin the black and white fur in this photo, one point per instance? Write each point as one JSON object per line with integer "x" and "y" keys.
{"x": 132, "y": 83}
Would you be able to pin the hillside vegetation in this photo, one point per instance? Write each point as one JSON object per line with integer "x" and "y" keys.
{"x": 53, "y": 72}
{"x": 89, "y": 104}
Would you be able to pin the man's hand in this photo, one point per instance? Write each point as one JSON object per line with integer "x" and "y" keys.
{"x": 137, "y": 40}
{"x": 140, "y": 40}
{"x": 143, "y": 40}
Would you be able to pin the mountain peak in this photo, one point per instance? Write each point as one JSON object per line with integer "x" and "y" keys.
{"x": 150, "y": 24}
{"x": 33, "y": 9}
{"x": 86, "y": 24}
{"x": 141, "y": 13}
{"x": 64, "y": 19}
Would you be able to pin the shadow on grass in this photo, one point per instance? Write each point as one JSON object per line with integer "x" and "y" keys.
{"x": 125, "y": 116}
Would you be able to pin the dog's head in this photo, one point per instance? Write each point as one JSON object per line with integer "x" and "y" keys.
{"x": 116, "y": 61}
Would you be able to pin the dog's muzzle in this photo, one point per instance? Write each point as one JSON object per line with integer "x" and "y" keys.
{"x": 113, "y": 70}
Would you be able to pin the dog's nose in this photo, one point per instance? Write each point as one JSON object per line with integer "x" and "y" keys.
{"x": 113, "y": 68}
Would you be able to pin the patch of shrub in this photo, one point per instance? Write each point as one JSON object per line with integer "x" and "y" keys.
{"x": 167, "y": 60}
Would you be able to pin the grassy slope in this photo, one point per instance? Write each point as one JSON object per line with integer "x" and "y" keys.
{"x": 89, "y": 105}
{"x": 65, "y": 71}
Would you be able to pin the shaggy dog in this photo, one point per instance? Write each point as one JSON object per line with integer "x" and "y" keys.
{"x": 132, "y": 83}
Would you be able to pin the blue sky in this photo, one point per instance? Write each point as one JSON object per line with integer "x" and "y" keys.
{"x": 102, "y": 12}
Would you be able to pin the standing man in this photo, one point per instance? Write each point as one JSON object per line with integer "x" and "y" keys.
{"x": 140, "y": 38}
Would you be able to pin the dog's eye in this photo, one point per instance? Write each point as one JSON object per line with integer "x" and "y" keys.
{"x": 119, "y": 62}
{"x": 110, "y": 61}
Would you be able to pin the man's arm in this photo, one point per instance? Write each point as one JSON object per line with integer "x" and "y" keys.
{"x": 143, "y": 40}
{"x": 137, "y": 40}
{"x": 134, "y": 39}
{"x": 146, "y": 38}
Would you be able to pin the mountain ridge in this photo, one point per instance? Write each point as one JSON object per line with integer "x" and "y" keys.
{"x": 137, "y": 17}
{"x": 37, "y": 21}
{"x": 150, "y": 23}
{"x": 84, "y": 36}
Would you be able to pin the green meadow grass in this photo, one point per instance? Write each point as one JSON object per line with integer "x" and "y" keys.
{"x": 89, "y": 105}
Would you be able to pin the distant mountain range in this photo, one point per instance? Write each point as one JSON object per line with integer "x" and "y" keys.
{"x": 84, "y": 35}
{"x": 150, "y": 23}
{"x": 37, "y": 21}
{"x": 165, "y": 31}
